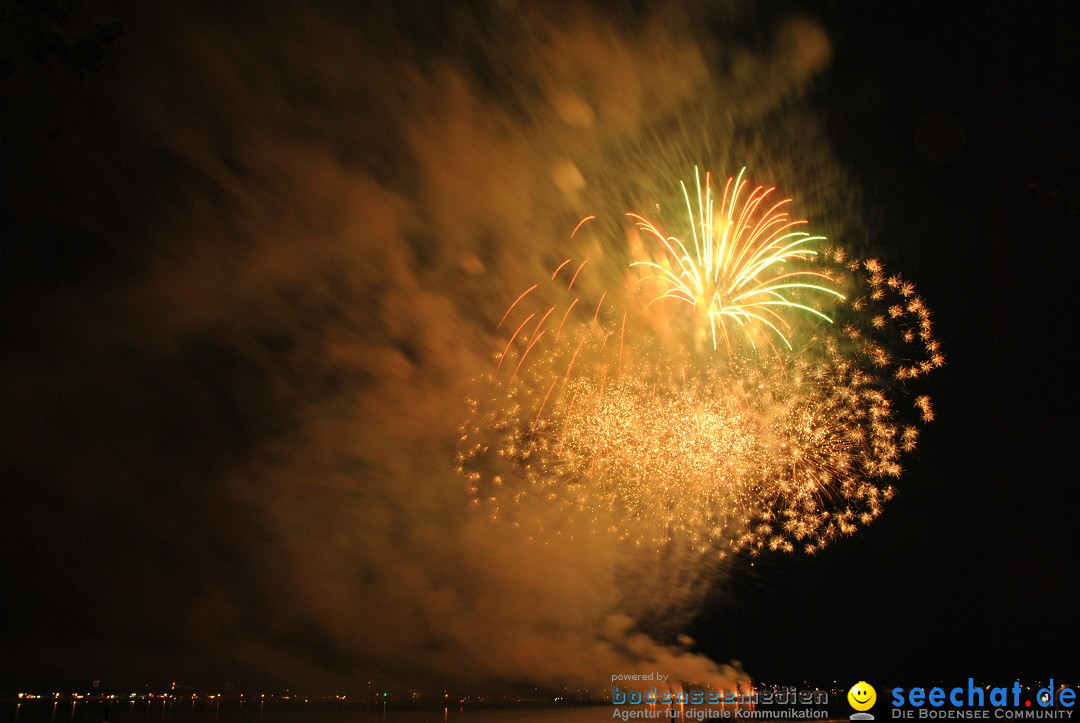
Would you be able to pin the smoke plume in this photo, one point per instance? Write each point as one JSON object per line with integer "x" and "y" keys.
{"x": 300, "y": 230}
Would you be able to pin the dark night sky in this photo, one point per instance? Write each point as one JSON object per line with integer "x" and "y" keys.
{"x": 954, "y": 122}
{"x": 973, "y": 570}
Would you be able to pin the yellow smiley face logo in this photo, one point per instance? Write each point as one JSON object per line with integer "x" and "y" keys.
{"x": 862, "y": 696}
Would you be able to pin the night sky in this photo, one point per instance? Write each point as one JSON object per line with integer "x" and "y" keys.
{"x": 973, "y": 569}
{"x": 250, "y": 260}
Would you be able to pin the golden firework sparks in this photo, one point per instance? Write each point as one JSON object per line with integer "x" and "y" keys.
{"x": 602, "y": 403}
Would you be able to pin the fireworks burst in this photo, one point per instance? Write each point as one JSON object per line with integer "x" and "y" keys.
{"x": 740, "y": 269}
{"x": 737, "y": 392}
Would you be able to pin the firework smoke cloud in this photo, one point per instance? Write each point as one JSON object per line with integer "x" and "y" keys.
{"x": 290, "y": 323}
